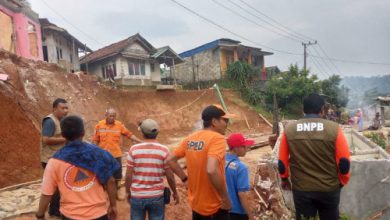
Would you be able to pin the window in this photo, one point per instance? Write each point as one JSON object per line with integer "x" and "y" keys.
{"x": 103, "y": 72}
{"x": 33, "y": 40}
{"x": 59, "y": 53}
{"x": 229, "y": 57}
{"x": 136, "y": 67}
{"x": 109, "y": 70}
{"x": 114, "y": 69}
{"x": 152, "y": 67}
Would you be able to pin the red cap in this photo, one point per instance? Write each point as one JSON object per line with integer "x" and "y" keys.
{"x": 238, "y": 140}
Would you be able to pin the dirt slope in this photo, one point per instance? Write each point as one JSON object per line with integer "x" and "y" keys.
{"x": 27, "y": 97}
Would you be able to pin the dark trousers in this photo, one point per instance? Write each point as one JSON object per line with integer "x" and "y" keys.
{"x": 104, "y": 217}
{"x": 220, "y": 215}
{"x": 235, "y": 216}
{"x": 118, "y": 174}
{"x": 309, "y": 204}
{"x": 54, "y": 206}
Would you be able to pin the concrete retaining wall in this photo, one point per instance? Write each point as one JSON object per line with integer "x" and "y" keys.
{"x": 368, "y": 191}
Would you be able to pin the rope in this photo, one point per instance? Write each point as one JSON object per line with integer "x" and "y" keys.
{"x": 181, "y": 108}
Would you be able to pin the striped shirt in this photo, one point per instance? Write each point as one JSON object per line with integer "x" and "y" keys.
{"x": 148, "y": 161}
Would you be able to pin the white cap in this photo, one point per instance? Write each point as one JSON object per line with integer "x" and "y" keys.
{"x": 149, "y": 126}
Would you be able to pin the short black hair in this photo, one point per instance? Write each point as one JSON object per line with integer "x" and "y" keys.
{"x": 58, "y": 101}
{"x": 207, "y": 123}
{"x": 212, "y": 111}
{"x": 150, "y": 136}
{"x": 313, "y": 103}
{"x": 72, "y": 127}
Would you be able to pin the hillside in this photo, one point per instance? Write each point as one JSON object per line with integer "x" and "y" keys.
{"x": 359, "y": 85}
{"x": 27, "y": 97}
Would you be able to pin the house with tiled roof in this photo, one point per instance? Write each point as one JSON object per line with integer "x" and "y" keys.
{"x": 132, "y": 61}
{"x": 210, "y": 61}
{"x": 60, "y": 47}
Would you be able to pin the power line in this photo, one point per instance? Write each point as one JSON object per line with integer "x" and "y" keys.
{"x": 317, "y": 64}
{"x": 289, "y": 35}
{"x": 354, "y": 61}
{"x": 325, "y": 63}
{"x": 337, "y": 69}
{"x": 294, "y": 38}
{"x": 253, "y": 22}
{"x": 320, "y": 70}
{"x": 67, "y": 21}
{"x": 270, "y": 18}
{"x": 231, "y": 32}
{"x": 270, "y": 48}
{"x": 310, "y": 38}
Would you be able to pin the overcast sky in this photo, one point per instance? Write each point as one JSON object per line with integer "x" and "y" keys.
{"x": 356, "y": 30}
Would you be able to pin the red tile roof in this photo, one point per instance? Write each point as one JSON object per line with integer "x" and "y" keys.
{"x": 116, "y": 48}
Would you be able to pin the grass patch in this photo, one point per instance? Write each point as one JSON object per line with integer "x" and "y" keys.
{"x": 376, "y": 138}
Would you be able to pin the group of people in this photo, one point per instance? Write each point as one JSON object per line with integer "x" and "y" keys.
{"x": 80, "y": 179}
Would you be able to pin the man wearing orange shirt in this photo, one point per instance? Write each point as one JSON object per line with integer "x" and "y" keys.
{"x": 108, "y": 134}
{"x": 82, "y": 172}
{"x": 317, "y": 152}
{"x": 205, "y": 152}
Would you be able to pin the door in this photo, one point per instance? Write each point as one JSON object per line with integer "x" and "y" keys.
{"x": 6, "y": 40}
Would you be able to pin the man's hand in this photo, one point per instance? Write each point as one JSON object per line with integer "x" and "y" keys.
{"x": 176, "y": 198}
{"x": 286, "y": 185}
{"x": 226, "y": 204}
{"x": 112, "y": 213}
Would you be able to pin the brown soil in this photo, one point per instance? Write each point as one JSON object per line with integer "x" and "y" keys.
{"x": 27, "y": 97}
{"x": 182, "y": 210}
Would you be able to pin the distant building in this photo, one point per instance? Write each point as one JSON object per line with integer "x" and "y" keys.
{"x": 132, "y": 61}
{"x": 384, "y": 105}
{"x": 60, "y": 47}
{"x": 20, "y": 31}
{"x": 210, "y": 61}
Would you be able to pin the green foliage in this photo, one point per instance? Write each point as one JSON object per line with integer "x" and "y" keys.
{"x": 242, "y": 76}
{"x": 290, "y": 88}
{"x": 223, "y": 83}
{"x": 336, "y": 94}
{"x": 377, "y": 139}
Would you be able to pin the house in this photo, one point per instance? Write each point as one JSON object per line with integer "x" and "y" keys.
{"x": 60, "y": 47}
{"x": 132, "y": 61}
{"x": 210, "y": 61}
{"x": 384, "y": 105}
{"x": 20, "y": 31}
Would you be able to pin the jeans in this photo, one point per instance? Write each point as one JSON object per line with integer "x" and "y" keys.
{"x": 155, "y": 208}
{"x": 309, "y": 204}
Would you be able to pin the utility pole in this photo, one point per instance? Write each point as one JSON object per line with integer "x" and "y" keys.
{"x": 304, "y": 52}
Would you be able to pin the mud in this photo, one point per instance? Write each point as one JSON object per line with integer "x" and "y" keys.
{"x": 27, "y": 97}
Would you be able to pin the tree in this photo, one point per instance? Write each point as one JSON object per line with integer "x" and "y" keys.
{"x": 336, "y": 94}
{"x": 242, "y": 75}
{"x": 291, "y": 87}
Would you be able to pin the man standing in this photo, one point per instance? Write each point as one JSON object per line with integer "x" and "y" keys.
{"x": 146, "y": 167}
{"x": 81, "y": 171}
{"x": 51, "y": 142}
{"x": 205, "y": 152}
{"x": 237, "y": 177}
{"x": 108, "y": 136}
{"x": 317, "y": 152}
